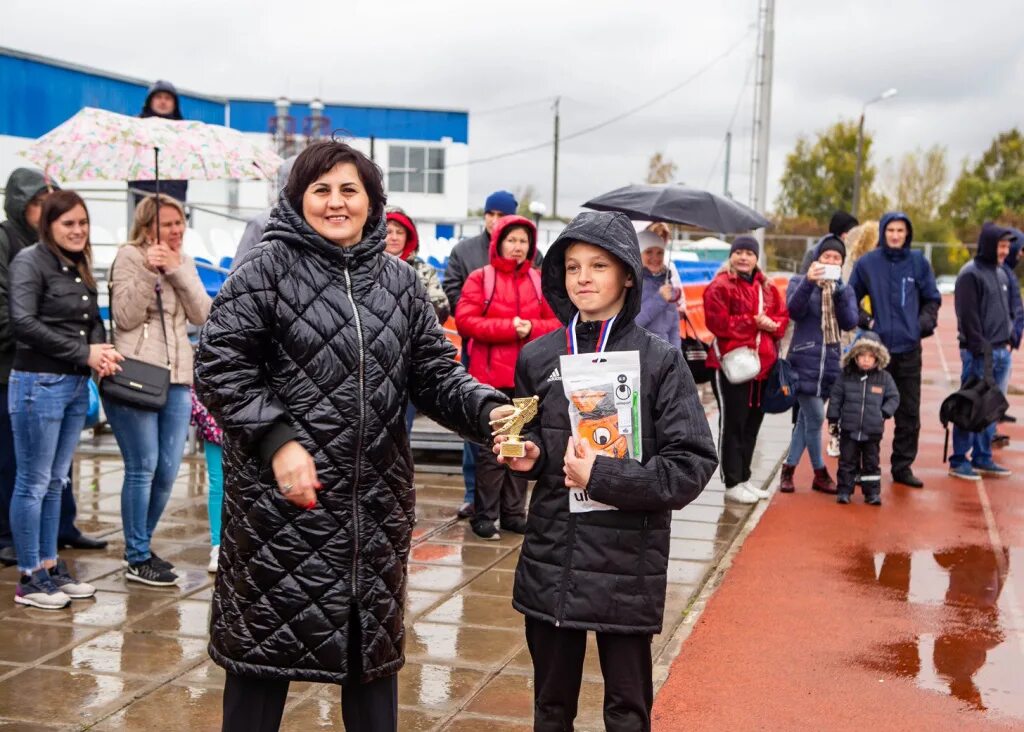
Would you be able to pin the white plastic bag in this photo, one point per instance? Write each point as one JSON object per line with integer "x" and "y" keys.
{"x": 603, "y": 390}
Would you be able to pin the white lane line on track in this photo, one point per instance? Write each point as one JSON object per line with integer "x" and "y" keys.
{"x": 1009, "y": 592}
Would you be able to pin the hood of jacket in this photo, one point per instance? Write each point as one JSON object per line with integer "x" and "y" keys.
{"x": 504, "y": 264}
{"x": 868, "y": 342}
{"x": 289, "y": 226}
{"x": 988, "y": 243}
{"x": 161, "y": 86}
{"x": 1015, "y": 248}
{"x": 887, "y": 219}
{"x": 412, "y": 237}
{"x": 610, "y": 231}
{"x": 23, "y": 185}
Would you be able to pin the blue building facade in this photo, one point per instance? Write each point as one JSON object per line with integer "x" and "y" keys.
{"x": 38, "y": 94}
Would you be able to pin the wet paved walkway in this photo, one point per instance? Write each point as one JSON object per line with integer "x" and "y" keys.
{"x": 908, "y": 616}
{"x": 134, "y": 658}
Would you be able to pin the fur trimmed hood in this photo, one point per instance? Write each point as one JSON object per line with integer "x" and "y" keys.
{"x": 870, "y": 342}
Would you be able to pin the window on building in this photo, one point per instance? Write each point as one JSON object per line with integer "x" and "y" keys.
{"x": 415, "y": 169}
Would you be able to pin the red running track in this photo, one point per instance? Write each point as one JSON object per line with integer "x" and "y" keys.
{"x": 904, "y": 617}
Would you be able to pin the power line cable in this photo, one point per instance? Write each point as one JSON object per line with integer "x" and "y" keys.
{"x": 732, "y": 120}
{"x": 617, "y": 118}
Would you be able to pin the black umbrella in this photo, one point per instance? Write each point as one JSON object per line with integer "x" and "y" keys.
{"x": 679, "y": 204}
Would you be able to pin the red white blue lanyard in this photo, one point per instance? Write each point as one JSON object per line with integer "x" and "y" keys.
{"x": 602, "y": 336}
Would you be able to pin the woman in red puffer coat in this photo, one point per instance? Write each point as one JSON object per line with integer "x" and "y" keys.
{"x": 501, "y": 310}
{"x": 732, "y": 314}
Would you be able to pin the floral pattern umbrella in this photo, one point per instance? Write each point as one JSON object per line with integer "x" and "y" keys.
{"x": 100, "y": 145}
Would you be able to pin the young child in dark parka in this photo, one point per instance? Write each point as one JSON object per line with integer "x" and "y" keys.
{"x": 604, "y": 571}
{"x": 863, "y": 397}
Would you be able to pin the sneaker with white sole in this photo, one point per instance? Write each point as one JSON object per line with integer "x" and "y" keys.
{"x": 214, "y": 559}
{"x": 162, "y": 563}
{"x": 38, "y": 590}
{"x": 149, "y": 573}
{"x": 740, "y": 494}
{"x": 69, "y": 585}
{"x": 759, "y": 492}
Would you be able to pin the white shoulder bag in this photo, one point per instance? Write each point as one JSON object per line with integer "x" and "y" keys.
{"x": 742, "y": 364}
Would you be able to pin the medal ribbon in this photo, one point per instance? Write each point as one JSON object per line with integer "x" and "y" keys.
{"x": 602, "y": 336}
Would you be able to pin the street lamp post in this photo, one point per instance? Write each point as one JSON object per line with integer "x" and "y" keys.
{"x": 887, "y": 94}
{"x": 538, "y": 209}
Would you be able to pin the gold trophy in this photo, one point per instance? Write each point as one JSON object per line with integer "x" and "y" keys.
{"x": 524, "y": 410}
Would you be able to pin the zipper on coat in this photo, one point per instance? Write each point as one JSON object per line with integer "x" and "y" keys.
{"x": 863, "y": 401}
{"x": 145, "y": 336}
{"x": 821, "y": 368}
{"x": 570, "y": 540}
{"x": 359, "y": 436}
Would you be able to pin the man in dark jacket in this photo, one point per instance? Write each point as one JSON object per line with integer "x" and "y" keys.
{"x": 863, "y": 397}
{"x": 161, "y": 101}
{"x": 603, "y": 570}
{"x": 838, "y": 229}
{"x": 904, "y": 309}
{"x": 467, "y": 256}
{"x": 985, "y": 331}
{"x": 26, "y": 189}
{"x": 1017, "y": 312}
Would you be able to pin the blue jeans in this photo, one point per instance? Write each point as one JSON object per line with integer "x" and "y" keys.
{"x": 47, "y": 415}
{"x": 215, "y": 492}
{"x": 807, "y": 431}
{"x": 979, "y": 444}
{"x": 8, "y": 469}
{"x": 470, "y": 450}
{"x": 152, "y": 445}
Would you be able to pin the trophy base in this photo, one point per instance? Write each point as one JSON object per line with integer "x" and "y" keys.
{"x": 513, "y": 449}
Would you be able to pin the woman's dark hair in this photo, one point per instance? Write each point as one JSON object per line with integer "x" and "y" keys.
{"x": 56, "y": 205}
{"x": 319, "y": 158}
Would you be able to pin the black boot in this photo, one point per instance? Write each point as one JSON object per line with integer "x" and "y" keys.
{"x": 907, "y": 478}
{"x": 873, "y": 499}
{"x": 843, "y": 498}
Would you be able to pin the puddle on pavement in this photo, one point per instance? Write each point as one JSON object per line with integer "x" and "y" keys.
{"x": 975, "y": 652}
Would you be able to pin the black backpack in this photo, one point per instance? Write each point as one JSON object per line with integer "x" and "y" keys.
{"x": 975, "y": 406}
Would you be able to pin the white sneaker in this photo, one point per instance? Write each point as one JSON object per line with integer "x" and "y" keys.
{"x": 740, "y": 494}
{"x": 214, "y": 559}
{"x": 833, "y": 446}
{"x": 761, "y": 493}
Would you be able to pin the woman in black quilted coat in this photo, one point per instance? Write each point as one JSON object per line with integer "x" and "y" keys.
{"x": 314, "y": 346}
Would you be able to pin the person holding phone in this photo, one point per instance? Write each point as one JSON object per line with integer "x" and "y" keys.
{"x": 821, "y": 306}
{"x": 153, "y": 329}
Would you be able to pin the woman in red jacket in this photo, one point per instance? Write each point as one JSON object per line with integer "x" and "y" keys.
{"x": 501, "y": 310}
{"x": 739, "y": 317}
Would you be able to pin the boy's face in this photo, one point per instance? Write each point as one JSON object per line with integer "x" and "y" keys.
{"x": 866, "y": 361}
{"x": 596, "y": 281}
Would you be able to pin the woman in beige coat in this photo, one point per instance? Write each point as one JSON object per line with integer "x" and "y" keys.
{"x": 152, "y": 443}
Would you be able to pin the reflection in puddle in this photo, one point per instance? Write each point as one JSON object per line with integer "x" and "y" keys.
{"x": 967, "y": 656}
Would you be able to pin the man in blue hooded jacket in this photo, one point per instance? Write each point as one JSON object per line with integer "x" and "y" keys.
{"x": 985, "y": 331}
{"x": 904, "y": 309}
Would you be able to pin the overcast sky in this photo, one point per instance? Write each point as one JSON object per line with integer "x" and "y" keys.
{"x": 959, "y": 68}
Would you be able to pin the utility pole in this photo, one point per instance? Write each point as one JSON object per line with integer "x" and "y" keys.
{"x": 554, "y": 183}
{"x": 728, "y": 160}
{"x": 763, "y": 114}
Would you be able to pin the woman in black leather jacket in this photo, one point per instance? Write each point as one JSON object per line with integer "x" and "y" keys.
{"x": 60, "y": 341}
{"x": 313, "y": 349}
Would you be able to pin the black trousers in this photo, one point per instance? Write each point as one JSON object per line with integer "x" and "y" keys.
{"x": 739, "y": 420}
{"x": 256, "y": 705}
{"x": 859, "y": 463}
{"x": 905, "y": 369}
{"x": 558, "y": 655}
{"x": 498, "y": 492}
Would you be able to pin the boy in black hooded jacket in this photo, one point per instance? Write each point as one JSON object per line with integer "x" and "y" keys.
{"x": 604, "y": 571}
{"x": 862, "y": 398}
